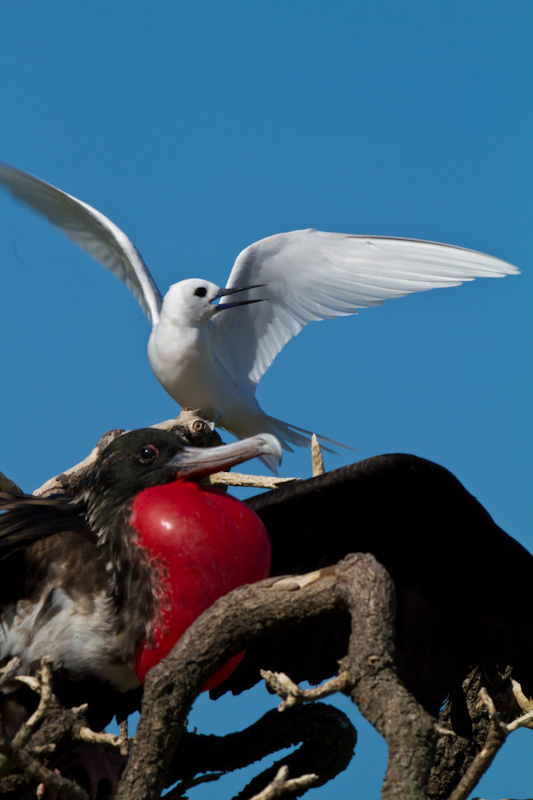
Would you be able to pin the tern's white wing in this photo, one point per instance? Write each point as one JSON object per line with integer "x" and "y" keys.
{"x": 91, "y": 230}
{"x": 312, "y": 275}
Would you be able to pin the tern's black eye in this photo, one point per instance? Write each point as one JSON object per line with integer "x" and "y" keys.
{"x": 201, "y": 291}
{"x": 148, "y": 454}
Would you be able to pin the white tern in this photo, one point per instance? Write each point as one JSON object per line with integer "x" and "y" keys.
{"x": 213, "y": 361}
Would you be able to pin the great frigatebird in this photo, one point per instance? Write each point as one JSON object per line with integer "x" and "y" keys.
{"x": 106, "y": 583}
{"x": 464, "y": 587}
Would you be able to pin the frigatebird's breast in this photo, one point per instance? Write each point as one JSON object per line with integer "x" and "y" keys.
{"x": 203, "y": 543}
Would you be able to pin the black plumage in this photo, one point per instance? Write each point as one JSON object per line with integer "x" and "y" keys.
{"x": 47, "y": 547}
{"x": 464, "y": 587}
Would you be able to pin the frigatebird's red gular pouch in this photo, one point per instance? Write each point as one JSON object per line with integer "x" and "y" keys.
{"x": 203, "y": 543}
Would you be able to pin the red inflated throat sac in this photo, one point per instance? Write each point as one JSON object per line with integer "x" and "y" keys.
{"x": 208, "y": 544}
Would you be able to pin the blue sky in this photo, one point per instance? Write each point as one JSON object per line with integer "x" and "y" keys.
{"x": 200, "y": 128}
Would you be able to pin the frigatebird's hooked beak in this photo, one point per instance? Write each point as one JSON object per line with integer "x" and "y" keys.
{"x": 225, "y": 292}
{"x": 199, "y": 461}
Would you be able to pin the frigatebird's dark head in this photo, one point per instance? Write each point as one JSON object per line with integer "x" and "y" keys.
{"x": 151, "y": 457}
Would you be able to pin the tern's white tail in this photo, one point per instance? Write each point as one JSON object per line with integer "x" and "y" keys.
{"x": 290, "y": 435}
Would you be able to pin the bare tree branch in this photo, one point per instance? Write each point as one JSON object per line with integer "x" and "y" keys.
{"x": 234, "y": 622}
{"x": 7, "y": 485}
{"x": 196, "y": 430}
{"x": 325, "y": 735}
{"x": 32, "y": 767}
{"x": 359, "y": 584}
{"x": 407, "y": 728}
{"x": 317, "y": 461}
{"x": 50, "y": 745}
{"x": 497, "y": 735}
{"x": 253, "y": 481}
{"x": 282, "y": 785}
{"x": 46, "y": 701}
{"x": 292, "y": 694}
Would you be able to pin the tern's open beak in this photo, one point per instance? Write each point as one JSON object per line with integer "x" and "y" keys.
{"x": 225, "y": 292}
{"x": 199, "y": 461}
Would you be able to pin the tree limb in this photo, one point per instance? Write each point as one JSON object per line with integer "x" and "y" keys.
{"x": 244, "y": 616}
{"x": 325, "y": 735}
{"x": 196, "y": 430}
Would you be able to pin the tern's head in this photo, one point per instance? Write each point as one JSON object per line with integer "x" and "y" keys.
{"x": 190, "y": 302}
{"x": 193, "y": 301}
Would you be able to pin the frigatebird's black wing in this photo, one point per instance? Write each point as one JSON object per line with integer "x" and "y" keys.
{"x": 29, "y": 528}
{"x": 464, "y": 587}
{"x": 46, "y": 543}
{"x": 25, "y": 519}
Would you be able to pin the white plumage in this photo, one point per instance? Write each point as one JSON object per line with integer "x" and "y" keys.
{"x": 212, "y": 361}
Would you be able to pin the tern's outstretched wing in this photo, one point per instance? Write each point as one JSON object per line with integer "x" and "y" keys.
{"x": 312, "y": 275}
{"x": 91, "y": 230}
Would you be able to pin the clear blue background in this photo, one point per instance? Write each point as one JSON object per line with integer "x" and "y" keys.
{"x": 202, "y": 127}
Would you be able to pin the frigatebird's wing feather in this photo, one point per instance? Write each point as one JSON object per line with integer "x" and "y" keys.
{"x": 27, "y": 524}
{"x": 91, "y": 230}
{"x": 312, "y": 275}
{"x": 444, "y": 553}
{"x": 45, "y": 544}
{"x": 25, "y": 519}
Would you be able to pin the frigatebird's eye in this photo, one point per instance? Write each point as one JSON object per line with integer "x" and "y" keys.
{"x": 201, "y": 291}
{"x": 148, "y": 454}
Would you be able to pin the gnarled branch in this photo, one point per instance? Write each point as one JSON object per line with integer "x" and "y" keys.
{"x": 360, "y": 585}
